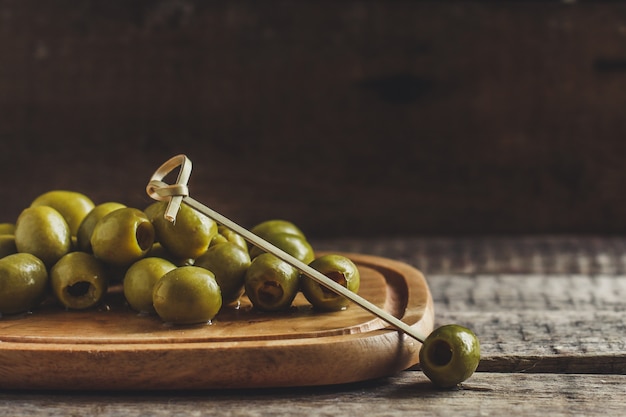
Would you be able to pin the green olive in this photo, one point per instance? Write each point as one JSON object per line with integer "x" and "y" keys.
{"x": 188, "y": 237}
{"x": 450, "y": 355}
{"x": 229, "y": 263}
{"x": 158, "y": 251}
{"x": 72, "y": 205}
{"x": 43, "y": 232}
{"x": 7, "y": 245}
{"x": 7, "y": 239}
{"x": 122, "y": 237}
{"x": 7, "y": 228}
{"x": 294, "y": 245}
{"x": 226, "y": 235}
{"x": 83, "y": 235}
{"x": 187, "y": 295}
{"x": 270, "y": 283}
{"x": 140, "y": 279}
{"x": 79, "y": 280}
{"x": 23, "y": 283}
{"x": 338, "y": 268}
{"x": 272, "y": 227}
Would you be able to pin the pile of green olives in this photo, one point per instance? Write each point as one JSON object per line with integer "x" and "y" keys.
{"x": 65, "y": 247}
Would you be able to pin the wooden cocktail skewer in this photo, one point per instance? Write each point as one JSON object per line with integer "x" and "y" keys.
{"x": 448, "y": 356}
{"x": 178, "y": 193}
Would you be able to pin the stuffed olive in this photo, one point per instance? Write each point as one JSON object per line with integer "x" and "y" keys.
{"x": 338, "y": 268}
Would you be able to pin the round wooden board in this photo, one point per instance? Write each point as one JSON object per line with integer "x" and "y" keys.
{"x": 113, "y": 348}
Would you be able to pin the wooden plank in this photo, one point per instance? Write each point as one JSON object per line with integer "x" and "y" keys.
{"x": 583, "y": 294}
{"x": 544, "y": 341}
{"x": 552, "y": 343}
{"x": 539, "y": 323}
{"x": 538, "y": 303}
{"x": 408, "y": 394}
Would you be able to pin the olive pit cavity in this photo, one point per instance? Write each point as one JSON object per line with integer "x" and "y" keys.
{"x": 270, "y": 292}
{"x": 79, "y": 289}
{"x": 145, "y": 235}
{"x": 440, "y": 353}
{"x": 339, "y": 278}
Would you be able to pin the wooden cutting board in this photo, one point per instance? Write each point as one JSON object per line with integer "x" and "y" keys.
{"x": 114, "y": 348}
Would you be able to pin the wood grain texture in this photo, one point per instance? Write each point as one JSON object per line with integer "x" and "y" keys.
{"x": 243, "y": 348}
{"x": 538, "y": 331}
{"x": 457, "y": 117}
{"x": 527, "y": 254}
{"x": 538, "y": 303}
{"x": 553, "y": 342}
{"x": 408, "y": 394}
{"x": 539, "y": 323}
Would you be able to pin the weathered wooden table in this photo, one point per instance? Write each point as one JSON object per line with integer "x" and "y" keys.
{"x": 549, "y": 312}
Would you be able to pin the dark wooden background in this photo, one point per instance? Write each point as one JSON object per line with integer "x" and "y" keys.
{"x": 349, "y": 118}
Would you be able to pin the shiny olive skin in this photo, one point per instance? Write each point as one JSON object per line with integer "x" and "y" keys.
{"x": 23, "y": 283}
{"x": 72, "y": 205}
{"x": 338, "y": 268}
{"x": 7, "y": 245}
{"x": 43, "y": 232}
{"x": 270, "y": 283}
{"x": 187, "y": 295}
{"x": 276, "y": 226}
{"x": 83, "y": 235}
{"x": 139, "y": 282}
{"x": 188, "y": 237}
{"x": 79, "y": 280}
{"x": 450, "y": 355}
{"x": 229, "y": 263}
{"x": 295, "y": 245}
{"x": 7, "y": 228}
{"x": 122, "y": 237}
